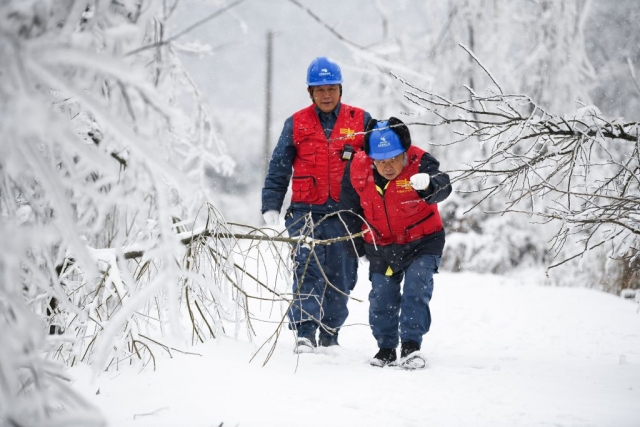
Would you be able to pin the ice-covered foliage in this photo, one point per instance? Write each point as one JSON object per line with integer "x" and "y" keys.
{"x": 490, "y": 243}
{"x": 104, "y": 146}
{"x": 535, "y": 48}
{"x": 578, "y": 173}
{"x": 539, "y": 49}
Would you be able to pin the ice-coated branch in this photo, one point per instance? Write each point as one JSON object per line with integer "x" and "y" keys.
{"x": 579, "y": 170}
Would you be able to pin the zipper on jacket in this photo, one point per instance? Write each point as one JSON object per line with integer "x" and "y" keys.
{"x": 419, "y": 222}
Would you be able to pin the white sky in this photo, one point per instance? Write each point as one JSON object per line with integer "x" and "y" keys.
{"x": 502, "y": 351}
{"x": 233, "y": 76}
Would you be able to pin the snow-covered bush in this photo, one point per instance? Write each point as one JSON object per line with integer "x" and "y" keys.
{"x": 489, "y": 243}
{"x": 98, "y": 168}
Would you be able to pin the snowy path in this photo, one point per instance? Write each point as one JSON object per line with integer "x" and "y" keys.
{"x": 501, "y": 353}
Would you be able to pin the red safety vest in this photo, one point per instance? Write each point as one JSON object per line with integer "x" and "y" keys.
{"x": 400, "y": 215}
{"x": 318, "y": 166}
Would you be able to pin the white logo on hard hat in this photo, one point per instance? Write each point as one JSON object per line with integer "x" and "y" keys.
{"x": 324, "y": 72}
{"x": 383, "y": 142}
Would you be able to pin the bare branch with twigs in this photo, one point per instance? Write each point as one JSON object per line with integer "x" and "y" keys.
{"x": 580, "y": 171}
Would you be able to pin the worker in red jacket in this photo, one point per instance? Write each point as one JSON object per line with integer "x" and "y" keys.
{"x": 395, "y": 187}
{"x": 311, "y": 154}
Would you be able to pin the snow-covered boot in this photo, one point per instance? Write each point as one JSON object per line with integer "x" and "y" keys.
{"x": 408, "y": 347}
{"x": 384, "y": 357}
{"x": 305, "y": 345}
{"x": 410, "y": 356}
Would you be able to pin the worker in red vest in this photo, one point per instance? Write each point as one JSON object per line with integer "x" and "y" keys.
{"x": 311, "y": 154}
{"x": 395, "y": 187}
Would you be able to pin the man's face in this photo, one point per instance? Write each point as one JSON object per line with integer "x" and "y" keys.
{"x": 390, "y": 168}
{"x": 325, "y": 97}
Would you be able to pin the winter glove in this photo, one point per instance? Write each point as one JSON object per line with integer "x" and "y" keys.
{"x": 420, "y": 181}
{"x": 271, "y": 218}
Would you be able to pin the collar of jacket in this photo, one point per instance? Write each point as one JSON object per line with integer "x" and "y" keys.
{"x": 333, "y": 113}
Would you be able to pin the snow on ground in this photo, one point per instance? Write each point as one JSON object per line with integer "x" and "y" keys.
{"x": 502, "y": 351}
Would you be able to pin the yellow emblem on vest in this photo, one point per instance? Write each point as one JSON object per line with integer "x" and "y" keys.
{"x": 349, "y": 133}
{"x": 403, "y": 185}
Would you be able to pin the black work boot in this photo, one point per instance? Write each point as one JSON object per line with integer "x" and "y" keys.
{"x": 305, "y": 344}
{"x": 383, "y": 357}
{"x": 410, "y": 356}
{"x": 306, "y": 340}
{"x": 408, "y": 347}
{"x": 327, "y": 339}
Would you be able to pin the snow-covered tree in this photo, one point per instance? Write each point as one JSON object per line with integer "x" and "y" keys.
{"x": 104, "y": 146}
{"x": 579, "y": 172}
{"x": 612, "y": 41}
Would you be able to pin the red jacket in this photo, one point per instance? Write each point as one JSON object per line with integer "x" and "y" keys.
{"x": 318, "y": 166}
{"x": 400, "y": 215}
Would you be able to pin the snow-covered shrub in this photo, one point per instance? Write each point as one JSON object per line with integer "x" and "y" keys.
{"x": 98, "y": 168}
{"x": 476, "y": 241}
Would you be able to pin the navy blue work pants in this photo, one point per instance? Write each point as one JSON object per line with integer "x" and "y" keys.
{"x": 316, "y": 302}
{"x": 402, "y": 312}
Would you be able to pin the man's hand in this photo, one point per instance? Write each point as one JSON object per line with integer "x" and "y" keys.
{"x": 271, "y": 218}
{"x": 420, "y": 181}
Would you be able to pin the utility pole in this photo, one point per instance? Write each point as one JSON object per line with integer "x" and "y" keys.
{"x": 267, "y": 126}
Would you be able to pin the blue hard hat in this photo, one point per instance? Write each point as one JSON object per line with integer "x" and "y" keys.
{"x": 384, "y": 143}
{"x": 323, "y": 71}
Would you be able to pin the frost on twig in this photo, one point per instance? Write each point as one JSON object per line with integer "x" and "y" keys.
{"x": 579, "y": 171}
